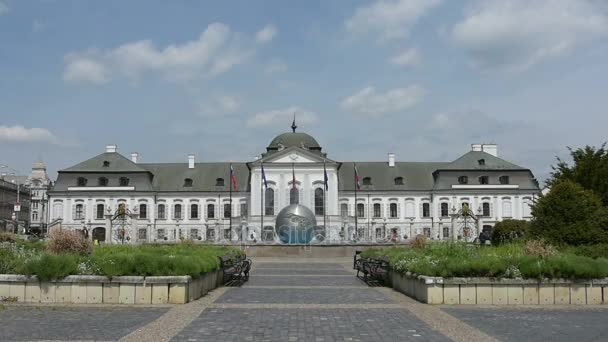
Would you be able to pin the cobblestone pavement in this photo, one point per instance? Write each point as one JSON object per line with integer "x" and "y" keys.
{"x": 23, "y": 323}
{"x": 537, "y": 323}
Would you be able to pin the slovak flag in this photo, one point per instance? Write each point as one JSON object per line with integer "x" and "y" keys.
{"x": 265, "y": 182}
{"x": 325, "y": 177}
{"x": 233, "y": 178}
{"x": 357, "y": 179}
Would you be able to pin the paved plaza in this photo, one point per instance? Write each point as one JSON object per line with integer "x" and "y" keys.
{"x": 302, "y": 300}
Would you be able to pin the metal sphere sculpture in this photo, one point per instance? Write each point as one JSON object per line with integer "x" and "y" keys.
{"x": 295, "y": 224}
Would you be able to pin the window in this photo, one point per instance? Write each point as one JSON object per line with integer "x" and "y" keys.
{"x": 58, "y": 210}
{"x": 485, "y": 209}
{"x": 426, "y": 231}
{"x": 227, "y": 210}
{"x": 122, "y": 209}
{"x": 393, "y": 210}
{"x": 82, "y": 181}
{"x": 194, "y": 211}
{"x": 123, "y": 181}
{"x": 188, "y": 182}
{"x": 219, "y": 182}
{"x": 503, "y": 179}
{"x": 360, "y": 210}
{"x": 446, "y": 232}
{"x": 426, "y": 209}
{"x": 34, "y": 205}
{"x": 445, "y": 212}
{"x": 367, "y": 181}
{"x": 294, "y": 195}
{"x": 377, "y": 211}
{"x": 100, "y": 211}
{"x": 79, "y": 212}
{"x": 463, "y": 180}
{"x": 177, "y": 212}
{"x": 106, "y": 163}
{"x": 210, "y": 211}
{"x": 244, "y": 212}
{"x": 193, "y": 234}
{"x": 484, "y": 180}
{"x": 506, "y": 208}
{"x": 527, "y": 207}
{"x": 319, "y": 205}
{"x": 399, "y": 181}
{"x": 162, "y": 214}
{"x": 481, "y": 162}
{"x": 269, "y": 202}
{"x": 102, "y": 181}
{"x": 161, "y": 235}
{"x": 34, "y": 216}
{"x": 344, "y": 209}
{"x": 141, "y": 234}
{"x": 143, "y": 211}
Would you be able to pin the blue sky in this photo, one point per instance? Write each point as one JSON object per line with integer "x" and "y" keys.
{"x": 422, "y": 78}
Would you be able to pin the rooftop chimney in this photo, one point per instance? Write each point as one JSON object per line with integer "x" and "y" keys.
{"x": 391, "y": 159}
{"x": 490, "y": 149}
{"x": 191, "y": 161}
{"x": 476, "y": 147}
{"x": 111, "y": 148}
{"x": 134, "y": 156}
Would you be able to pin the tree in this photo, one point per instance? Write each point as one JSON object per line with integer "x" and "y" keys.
{"x": 590, "y": 170}
{"x": 569, "y": 214}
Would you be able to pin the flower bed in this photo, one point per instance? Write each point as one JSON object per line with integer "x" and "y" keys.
{"x": 530, "y": 273}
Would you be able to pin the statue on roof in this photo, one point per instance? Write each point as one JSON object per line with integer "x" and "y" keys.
{"x": 293, "y": 124}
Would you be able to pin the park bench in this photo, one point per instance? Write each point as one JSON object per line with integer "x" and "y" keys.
{"x": 235, "y": 269}
{"x": 375, "y": 271}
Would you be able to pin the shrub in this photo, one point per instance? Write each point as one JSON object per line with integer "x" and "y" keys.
{"x": 68, "y": 241}
{"x": 591, "y": 251}
{"x": 50, "y": 267}
{"x": 570, "y": 215}
{"x": 7, "y": 237}
{"x": 507, "y": 231}
{"x": 419, "y": 241}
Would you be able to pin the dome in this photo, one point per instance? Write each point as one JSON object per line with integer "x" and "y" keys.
{"x": 296, "y": 139}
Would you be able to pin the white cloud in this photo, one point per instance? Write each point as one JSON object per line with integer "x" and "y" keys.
{"x": 228, "y": 104}
{"x": 216, "y": 51}
{"x": 409, "y": 57}
{"x": 3, "y": 8}
{"x": 368, "y": 102}
{"x": 21, "y": 134}
{"x": 513, "y": 35}
{"x": 266, "y": 34}
{"x": 219, "y": 106}
{"x": 275, "y": 66}
{"x": 282, "y": 117}
{"x": 389, "y": 18}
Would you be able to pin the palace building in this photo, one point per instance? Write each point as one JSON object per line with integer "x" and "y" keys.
{"x": 112, "y": 197}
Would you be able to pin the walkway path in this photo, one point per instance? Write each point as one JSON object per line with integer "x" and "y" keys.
{"x": 302, "y": 300}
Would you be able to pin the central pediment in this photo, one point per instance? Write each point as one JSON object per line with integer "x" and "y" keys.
{"x": 295, "y": 155}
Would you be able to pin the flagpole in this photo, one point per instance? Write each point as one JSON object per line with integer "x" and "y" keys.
{"x": 356, "y": 220}
{"x": 324, "y": 191}
{"x": 230, "y": 184}
{"x": 262, "y": 200}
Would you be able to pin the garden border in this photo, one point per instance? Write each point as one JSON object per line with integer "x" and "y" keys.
{"x": 490, "y": 291}
{"x": 92, "y": 289}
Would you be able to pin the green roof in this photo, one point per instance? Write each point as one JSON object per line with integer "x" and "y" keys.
{"x": 478, "y": 160}
{"x": 117, "y": 163}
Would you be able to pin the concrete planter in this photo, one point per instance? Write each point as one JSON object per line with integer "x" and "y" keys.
{"x": 84, "y": 289}
{"x": 489, "y": 291}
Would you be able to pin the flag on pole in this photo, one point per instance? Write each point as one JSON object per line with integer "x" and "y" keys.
{"x": 293, "y": 173}
{"x": 357, "y": 179}
{"x": 233, "y": 178}
{"x": 264, "y": 181}
{"x": 325, "y": 177}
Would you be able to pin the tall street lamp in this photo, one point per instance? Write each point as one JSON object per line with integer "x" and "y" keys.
{"x": 17, "y": 207}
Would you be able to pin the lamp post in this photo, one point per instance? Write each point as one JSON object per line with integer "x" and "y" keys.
{"x": 17, "y": 207}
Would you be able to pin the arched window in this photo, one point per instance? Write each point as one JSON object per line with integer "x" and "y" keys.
{"x": 106, "y": 163}
{"x": 399, "y": 181}
{"x": 367, "y": 181}
{"x": 319, "y": 198}
{"x": 143, "y": 211}
{"x": 227, "y": 210}
{"x": 393, "y": 210}
{"x": 194, "y": 211}
{"x": 377, "y": 211}
{"x": 82, "y": 181}
{"x": 188, "y": 182}
{"x": 219, "y": 182}
{"x": 426, "y": 209}
{"x": 344, "y": 209}
{"x": 210, "y": 211}
{"x": 445, "y": 211}
{"x": 177, "y": 211}
{"x": 124, "y": 181}
{"x": 463, "y": 180}
{"x": 360, "y": 210}
{"x": 484, "y": 180}
{"x": 527, "y": 207}
{"x": 269, "y": 202}
{"x": 161, "y": 212}
{"x": 507, "y": 208}
{"x": 58, "y": 210}
{"x": 100, "y": 211}
{"x": 485, "y": 209}
{"x": 122, "y": 209}
{"x": 294, "y": 195}
{"x": 102, "y": 181}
